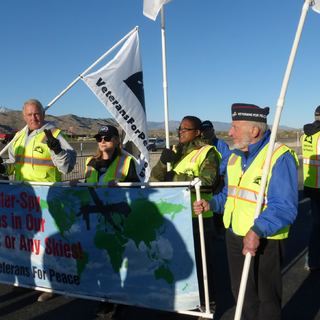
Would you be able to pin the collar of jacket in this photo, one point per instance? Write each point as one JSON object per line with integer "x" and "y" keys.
{"x": 311, "y": 128}
{"x": 195, "y": 144}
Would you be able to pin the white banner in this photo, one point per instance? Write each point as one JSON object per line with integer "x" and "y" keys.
{"x": 316, "y": 6}
{"x": 119, "y": 86}
{"x": 151, "y": 8}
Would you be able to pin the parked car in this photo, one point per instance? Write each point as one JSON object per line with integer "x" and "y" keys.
{"x": 156, "y": 143}
{"x": 7, "y": 137}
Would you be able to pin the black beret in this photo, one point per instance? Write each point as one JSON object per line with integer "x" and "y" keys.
{"x": 249, "y": 112}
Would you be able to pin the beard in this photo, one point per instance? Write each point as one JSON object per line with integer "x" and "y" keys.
{"x": 243, "y": 143}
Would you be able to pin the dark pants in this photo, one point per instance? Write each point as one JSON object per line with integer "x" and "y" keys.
{"x": 264, "y": 285}
{"x": 208, "y": 227}
{"x": 314, "y": 241}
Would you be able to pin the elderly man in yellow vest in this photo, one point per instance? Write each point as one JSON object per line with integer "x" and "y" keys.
{"x": 191, "y": 158}
{"x": 310, "y": 142}
{"x": 39, "y": 152}
{"x": 261, "y": 237}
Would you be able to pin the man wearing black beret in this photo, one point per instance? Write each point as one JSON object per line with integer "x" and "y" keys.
{"x": 263, "y": 236}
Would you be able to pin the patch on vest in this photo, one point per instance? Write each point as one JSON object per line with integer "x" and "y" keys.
{"x": 308, "y": 139}
{"x": 38, "y": 149}
{"x": 257, "y": 180}
{"x": 189, "y": 172}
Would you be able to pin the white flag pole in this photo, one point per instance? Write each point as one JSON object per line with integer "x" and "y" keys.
{"x": 165, "y": 82}
{"x": 203, "y": 251}
{"x": 266, "y": 166}
{"x": 76, "y": 80}
{"x": 90, "y": 67}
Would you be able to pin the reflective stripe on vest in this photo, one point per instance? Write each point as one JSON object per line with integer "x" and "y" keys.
{"x": 311, "y": 160}
{"x": 243, "y": 190}
{"x": 244, "y": 194}
{"x": 118, "y": 170}
{"x": 36, "y": 161}
{"x": 33, "y": 161}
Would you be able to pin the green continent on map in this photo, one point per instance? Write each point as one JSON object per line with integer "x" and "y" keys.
{"x": 114, "y": 243}
{"x": 145, "y": 220}
{"x": 169, "y": 208}
{"x": 81, "y": 263}
{"x": 142, "y": 223}
{"x": 64, "y": 215}
{"x": 164, "y": 273}
{"x": 64, "y": 212}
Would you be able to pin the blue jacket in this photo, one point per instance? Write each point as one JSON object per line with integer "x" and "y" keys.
{"x": 225, "y": 152}
{"x": 282, "y": 193}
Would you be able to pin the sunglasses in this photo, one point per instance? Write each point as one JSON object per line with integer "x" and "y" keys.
{"x": 104, "y": 138}
{"x": 185, "y": 129}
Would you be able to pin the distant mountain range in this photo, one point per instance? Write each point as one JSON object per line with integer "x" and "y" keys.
{"x": 12, "y": 120}
{"x": 218, "y": 126}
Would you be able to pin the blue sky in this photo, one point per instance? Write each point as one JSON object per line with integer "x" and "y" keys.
{"x": 218, "y": 53}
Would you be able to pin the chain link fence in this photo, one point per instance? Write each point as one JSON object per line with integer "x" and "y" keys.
{"x": 78, "y": 171}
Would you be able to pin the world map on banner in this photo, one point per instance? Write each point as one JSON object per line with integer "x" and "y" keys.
{"x": 129, "y": 245}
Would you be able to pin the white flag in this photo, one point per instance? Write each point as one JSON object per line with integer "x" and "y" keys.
{"x": 151, "y": 8}
{"x": 316, "y": 6}
{"x": 119, "y": 86}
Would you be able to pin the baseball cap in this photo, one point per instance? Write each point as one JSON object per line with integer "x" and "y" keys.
{"x": 107, "y": 131}
{"x": 206, "y": 125}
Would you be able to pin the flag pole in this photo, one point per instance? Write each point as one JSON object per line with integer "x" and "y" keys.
{"x": 203, "y": 250}
{"x": 266, "y": 166}
{"x": 165, "y": 82}
{"x": 76, "y": 80}
{"x": 90, "y": 67}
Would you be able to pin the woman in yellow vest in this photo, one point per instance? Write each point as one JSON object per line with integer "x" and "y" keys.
{"x": 310, "y": 142}
{"x": 110, "y": 163}
{"x": 191, "y": 158}
{"x": 261, "y": 237}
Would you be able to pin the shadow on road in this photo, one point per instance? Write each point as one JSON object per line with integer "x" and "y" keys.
{"x": 305, "y": 302}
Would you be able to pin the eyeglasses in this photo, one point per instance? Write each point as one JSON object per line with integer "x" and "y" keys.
{"x": 104, "y": 138}
{"x": 185, "y": 129}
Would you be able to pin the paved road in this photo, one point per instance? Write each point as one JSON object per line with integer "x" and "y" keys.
{"x": 301, "y": 294}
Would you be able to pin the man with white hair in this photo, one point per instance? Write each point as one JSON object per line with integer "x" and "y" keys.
{"x": 261, "y": 237}
{"x": 38, "y": 153}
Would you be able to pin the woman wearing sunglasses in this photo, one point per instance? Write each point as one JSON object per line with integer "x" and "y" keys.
{"x": 110, "y": 163}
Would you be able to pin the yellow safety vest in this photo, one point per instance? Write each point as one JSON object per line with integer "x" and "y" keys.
{"x": 311, "y": 160}
{"x": 190, "y": 165}
{"x": 243, "y": 190}
{"x": 33, "y": 162}
{"x": 117, "y": 171}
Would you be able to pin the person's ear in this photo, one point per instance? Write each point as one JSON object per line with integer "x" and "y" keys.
{"x": 255, "y": 132}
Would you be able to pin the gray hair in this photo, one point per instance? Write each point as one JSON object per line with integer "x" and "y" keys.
{"x": 36, "y": 103}
{"x": 263, "y": 127}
